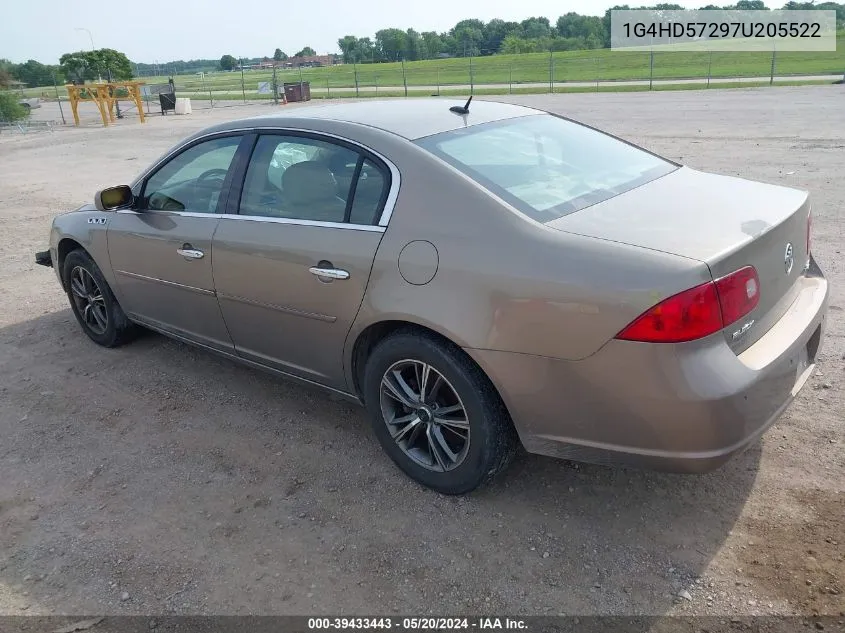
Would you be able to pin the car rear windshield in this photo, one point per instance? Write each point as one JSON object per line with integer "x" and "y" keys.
{"x": 546, "y": 166}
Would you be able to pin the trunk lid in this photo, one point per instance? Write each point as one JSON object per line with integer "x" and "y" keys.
{"x": 724, "y": 221}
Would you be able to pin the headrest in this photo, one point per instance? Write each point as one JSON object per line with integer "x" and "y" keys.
{"x": 308, "y": 182}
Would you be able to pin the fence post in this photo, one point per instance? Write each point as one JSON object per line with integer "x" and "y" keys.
{"x": 275, "y": 85}
{"x": 328, "y": 89}
{"x": 709, "y": 67}
{"x": 471, "y": 77}
{"x": 243, "y": 87}
{"x": 772, "y": 74}
{"x": 551, "y": 72}
{"x": 376, "y": 82}
{"x": 438, "y": 81}
{"x": 207, "y": 88}
{"x": 61, "y": 110}
{"x": 510, "y": 78}
{"x": 598, "y": 72}
{"x": 404, "y": 78}
{"x": 651, "y": 69}
{"x": 355, "y": 67}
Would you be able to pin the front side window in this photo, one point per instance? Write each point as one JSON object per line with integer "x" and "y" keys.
{"x": 193, "y": 180}
{"x": 303, "y": 178}
{"x": 545, "y": 166}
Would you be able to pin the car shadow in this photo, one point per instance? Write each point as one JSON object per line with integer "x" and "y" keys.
{"x": 205, "y": 463}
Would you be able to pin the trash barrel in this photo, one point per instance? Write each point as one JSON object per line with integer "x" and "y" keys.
{"x": 298, "y": 91}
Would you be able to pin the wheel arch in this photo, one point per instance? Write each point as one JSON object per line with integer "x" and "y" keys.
{"x": 369, "y": 337}
{"x": 65, "y": 246}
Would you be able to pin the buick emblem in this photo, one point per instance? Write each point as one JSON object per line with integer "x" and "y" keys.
{"x": 788, "y": 259}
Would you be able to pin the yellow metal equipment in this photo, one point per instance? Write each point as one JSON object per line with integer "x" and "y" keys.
{"x": 105, "y": 95}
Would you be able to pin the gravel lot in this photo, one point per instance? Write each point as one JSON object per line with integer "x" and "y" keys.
{"x": 159, "y": 479}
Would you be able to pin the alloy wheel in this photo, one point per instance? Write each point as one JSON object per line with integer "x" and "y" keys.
{"x": 89, "y": 300}
{"x": 424, "y": 415}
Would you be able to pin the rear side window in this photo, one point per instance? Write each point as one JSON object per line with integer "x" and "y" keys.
{"x": 545, "y": 166}
{"x": 305, "y": 178}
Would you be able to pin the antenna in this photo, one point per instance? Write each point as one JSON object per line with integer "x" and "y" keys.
{"x": 464, "y": 109}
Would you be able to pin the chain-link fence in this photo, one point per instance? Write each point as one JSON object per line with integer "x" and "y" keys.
{"x": 550, "y": 72}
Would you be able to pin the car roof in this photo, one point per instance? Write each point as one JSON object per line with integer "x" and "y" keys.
{"x": 408, "y": 118}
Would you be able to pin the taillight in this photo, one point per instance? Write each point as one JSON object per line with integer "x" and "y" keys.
{"x": 699, "y": 311}
{"x": 689, "y": 315}
{"x": 739, "y": 294}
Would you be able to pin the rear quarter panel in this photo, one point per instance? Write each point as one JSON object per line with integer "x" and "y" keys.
{"x": 504, "y": 282}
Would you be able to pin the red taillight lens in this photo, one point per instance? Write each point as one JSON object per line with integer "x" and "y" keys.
{"x": 699, "y": 311}
{"x": 689, "y": 315}
{"x": 739, "y": 294}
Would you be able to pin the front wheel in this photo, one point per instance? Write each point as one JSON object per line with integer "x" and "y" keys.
{"x": 436, "y": 414}
{"x": 94, "y": 305}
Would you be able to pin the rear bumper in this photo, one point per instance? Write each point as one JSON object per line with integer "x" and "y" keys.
{"x": 683, "y": 408}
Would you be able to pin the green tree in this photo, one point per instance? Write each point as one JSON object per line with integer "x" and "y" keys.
{"x": 10, "y": 109}
{"x": 34, "y": 73}
{"x": 366, "y": 50}
{"x": 534, "y": 28}
{"x": 306, "y": 52}
{"x": 88, "y": 65}
{"x": 433, "y": 43}
{"x": 512, "y": 44}
{"x": 495, "y": 33}
{"x": 279, "y": 55}
{"x": 751, "y": 5}
{"x": 391, "y": 44}
{"x": 228, "y": 62}
{"x": 5, "y": 78}
{"x": 348, "y": 45}
{"x": 469, "y": 36}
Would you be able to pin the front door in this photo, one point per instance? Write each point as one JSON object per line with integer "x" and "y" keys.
{"x": 161, "y": 251}
{"x": 292, "y": 267}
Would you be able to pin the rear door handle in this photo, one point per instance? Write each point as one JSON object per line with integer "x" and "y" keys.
{"x": 329, "y": 273}
{"x": 190, "y": 253}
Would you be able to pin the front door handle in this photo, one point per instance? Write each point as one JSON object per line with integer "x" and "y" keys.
{"x": 188, "y": 252}
{"x": 329, "y": 273}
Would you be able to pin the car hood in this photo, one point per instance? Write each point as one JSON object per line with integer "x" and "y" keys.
{"x": 689, "y": 213}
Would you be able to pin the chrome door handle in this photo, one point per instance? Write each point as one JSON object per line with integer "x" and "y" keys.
{"x": 190, "y": 253}
{"x": 329, "y": 273}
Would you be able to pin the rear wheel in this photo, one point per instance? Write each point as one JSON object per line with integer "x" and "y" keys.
{"x": 436, "y": 414}
{"x": 93, "y": 303}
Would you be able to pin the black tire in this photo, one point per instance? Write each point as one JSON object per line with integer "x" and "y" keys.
{"x": 118, "y": 329}
{"x": 492, "y": 441}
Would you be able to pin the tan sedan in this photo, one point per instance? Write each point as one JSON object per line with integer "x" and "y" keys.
{"x": 479, "y": 277}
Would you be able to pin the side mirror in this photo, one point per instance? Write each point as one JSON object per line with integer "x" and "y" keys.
{"x": 113, "y": 198}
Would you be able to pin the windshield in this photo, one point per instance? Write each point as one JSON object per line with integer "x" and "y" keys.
{"x": 545, "y": 166}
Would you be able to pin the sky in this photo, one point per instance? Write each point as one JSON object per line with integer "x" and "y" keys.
{"x": 167, "y": 30}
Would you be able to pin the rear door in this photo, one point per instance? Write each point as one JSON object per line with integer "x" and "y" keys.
{"x": 161, "y": 250}
{"x": 292, "y": 257}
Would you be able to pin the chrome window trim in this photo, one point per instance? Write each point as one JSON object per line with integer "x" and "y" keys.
{"x": 386, "y": 212}
{"x": 372, "y": 228}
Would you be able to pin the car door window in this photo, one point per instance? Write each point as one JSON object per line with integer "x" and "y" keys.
{"x": 369, "y": 195}
{"x": 193, "y": 180}
{"x": 304, "y": 178}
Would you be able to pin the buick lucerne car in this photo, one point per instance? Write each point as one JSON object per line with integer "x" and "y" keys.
{"x": 480, "y": 277}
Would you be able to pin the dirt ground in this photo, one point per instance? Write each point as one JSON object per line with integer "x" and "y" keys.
{"x": 159, "y": 479}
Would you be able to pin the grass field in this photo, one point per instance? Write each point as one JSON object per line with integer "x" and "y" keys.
{"x": 512, "y": 70}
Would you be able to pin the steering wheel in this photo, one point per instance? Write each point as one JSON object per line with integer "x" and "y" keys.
{"x": 201, "y": 188}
